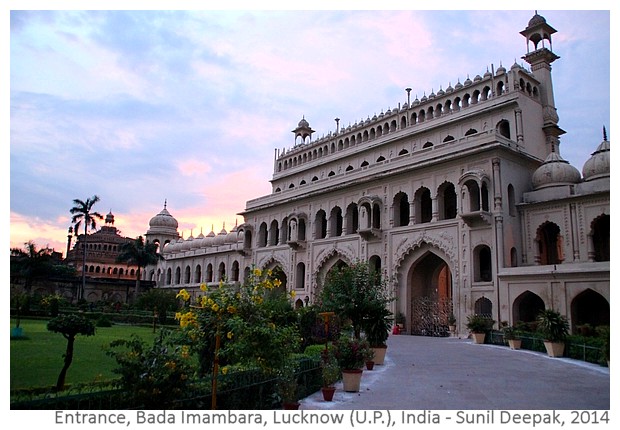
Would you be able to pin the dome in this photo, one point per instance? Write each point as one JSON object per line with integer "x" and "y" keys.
{"x": 555, "y": 171}
{"x": 536, "y": 20}
{"x": 597, "y": 165}
{"x": 303, "y": 123}
{"x": 163, "y": 222}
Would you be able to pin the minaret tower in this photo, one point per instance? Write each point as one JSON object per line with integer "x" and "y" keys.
{"x": 540, "y": 58}
{"x": 303, "y": 130}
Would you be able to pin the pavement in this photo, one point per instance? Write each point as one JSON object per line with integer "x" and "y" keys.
{"x": 433, "y": 373}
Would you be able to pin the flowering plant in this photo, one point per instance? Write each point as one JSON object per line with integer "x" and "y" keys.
{"x": 351, "y": 353}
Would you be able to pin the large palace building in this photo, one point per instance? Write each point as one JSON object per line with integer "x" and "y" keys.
{"x": 460, "y": 198}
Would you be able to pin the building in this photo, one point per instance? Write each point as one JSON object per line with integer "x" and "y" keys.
{"x": 461, "y": 198}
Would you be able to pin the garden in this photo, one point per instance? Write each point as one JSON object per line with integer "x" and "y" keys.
{"x": 229, "y": 347}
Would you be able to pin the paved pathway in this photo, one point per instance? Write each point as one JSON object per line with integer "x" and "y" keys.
{"x": 453, "y": 374}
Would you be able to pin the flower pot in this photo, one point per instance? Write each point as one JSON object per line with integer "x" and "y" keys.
{"x": 370, "y": 365}
{"x": 452, "y": 329}
{"x": 554, "y": 349}
{"x": 478, "y": 337}
{"x": 290, "y": 406}
{"x": 514, "y": 343}
{"x": 379, "y": 356}
{"x": 328, "y": 393}
{"x": 351, "y": 379}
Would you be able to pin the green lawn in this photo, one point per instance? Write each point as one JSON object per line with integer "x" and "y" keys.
{"x": 37, "y": 359}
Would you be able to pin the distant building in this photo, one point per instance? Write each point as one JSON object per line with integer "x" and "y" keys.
{"x": 461, "y": 198}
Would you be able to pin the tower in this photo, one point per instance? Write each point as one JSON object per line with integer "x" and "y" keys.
{"x": 540, "y": 59}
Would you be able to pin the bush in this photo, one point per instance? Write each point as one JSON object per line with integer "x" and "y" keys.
{"x": 479, "y": 323}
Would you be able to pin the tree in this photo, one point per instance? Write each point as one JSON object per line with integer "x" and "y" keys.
{"x": 83, "y": 212}
{"x": 69, "y": 326}
{"x": 31, "y": 264}
{"x": 357, "y": 293}
{"x": 140, "y": 254}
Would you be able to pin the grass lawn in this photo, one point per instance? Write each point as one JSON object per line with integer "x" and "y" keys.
{"x": 37, "y": 359}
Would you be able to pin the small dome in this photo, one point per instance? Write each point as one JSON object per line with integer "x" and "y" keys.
{"x": 109, "y": 218}
{"x": 440, "y": 92}
{"x": 536, "y": 20}
{"x": 303, "y": 123}
{"x": 458, "y": 85}
{"x": 487, "y": 74}
{"x": 555, "y": 171}
{"x": 598, "y": 164}
{"x": 500, "y": 70}
{"x": 163, "y": 222}
{"x": 467, "y": 82}
{"x": 449, "y": 89}
{"x": 477, "y": 78}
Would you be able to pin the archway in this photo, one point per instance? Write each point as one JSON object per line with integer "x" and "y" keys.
{"x": 589, "y": 307}
{"x": 526, "y": 307}
{"x": 429, "y": 283}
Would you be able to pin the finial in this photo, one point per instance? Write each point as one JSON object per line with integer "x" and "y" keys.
{"x": 165, "y": 203}
{"x": 604, "y": 134}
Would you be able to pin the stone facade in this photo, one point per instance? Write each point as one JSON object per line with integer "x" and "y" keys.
{"x": 461, "y": 198}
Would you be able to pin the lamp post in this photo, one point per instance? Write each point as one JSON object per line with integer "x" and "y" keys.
{"x": 326, "y": 316}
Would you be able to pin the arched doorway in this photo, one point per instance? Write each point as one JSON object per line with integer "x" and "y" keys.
{"x": 429, "y": 282}
{"x": 589, "y": 307}
{"x": 526, "y": 308}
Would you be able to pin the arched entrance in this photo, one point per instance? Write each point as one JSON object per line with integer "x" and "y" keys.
{"x": 589, "y": 307}
{"x": 429, "y": 283}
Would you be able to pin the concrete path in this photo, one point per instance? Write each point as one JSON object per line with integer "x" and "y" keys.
{"x": 454, "y": 374}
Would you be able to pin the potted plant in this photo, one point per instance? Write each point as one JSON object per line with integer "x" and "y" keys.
{"x": 351, "y": 354}
{"x": 511, "y": 336}
{"x": 376, "y": 329}
{"x": 370, "y": 362}
{"x": 452, "y": 323}
{"x": 287, "y": 385}
{"x": 400, "y": 320}
{"x": 479, "y": 325}
{"x": 553, "y": 327}
{"x": 331, "y": 374}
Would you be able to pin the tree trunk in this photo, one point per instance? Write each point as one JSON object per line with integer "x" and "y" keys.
{"x": 60, "y": 384}
{"x": 135, "y": 296}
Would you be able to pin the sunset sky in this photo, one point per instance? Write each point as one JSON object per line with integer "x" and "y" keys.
{"x": 140, "y": 107}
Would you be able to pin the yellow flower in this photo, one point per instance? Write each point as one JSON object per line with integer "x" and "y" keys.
{"x": 224, "y": 370}
{"x": 257, "y": 272}
{"x": 203, "y": 301}
{"x": 183, "y": 294}
{"x": 231, "y": 309}
{"x": 277, "y": 282}
{"x": 203, "y": 286}
{"x": 293, "y": 293}
{"x": 229, "y": 335}
{"x": 215, "y": 307}
{"x": 185, "y": 351}
{"x": 271, "y": 326}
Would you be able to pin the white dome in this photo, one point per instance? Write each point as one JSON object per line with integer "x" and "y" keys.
{"x": 555, "y": 171}
{"x": 598, "y": 164}
{"x": 163, "y": 222}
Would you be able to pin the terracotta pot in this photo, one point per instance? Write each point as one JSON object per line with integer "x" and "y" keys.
{"x": 554, "y": 349}
{"x": 514, "y": 343}
{"x": 328, "y": 393}
{"x": 478, "y": 337}
{"x": 290, "y": 406}
{"x": 379, "y": 356}
{"x": 370, "y": 365}
{"x": 351, "y": 379}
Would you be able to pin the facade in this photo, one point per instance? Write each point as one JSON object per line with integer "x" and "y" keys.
{"x": 461, "y": 198}
{"x": 105, "y": 278}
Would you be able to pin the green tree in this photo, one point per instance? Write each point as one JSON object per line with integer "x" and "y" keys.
{"x": 83, "y": 213}
{"x": 30, "y": 264}
{"x": 141, "y": 254}
{"x": 69, "y": 326}
{"x": 355, "y": 292}
{"x": 156, "y": 299}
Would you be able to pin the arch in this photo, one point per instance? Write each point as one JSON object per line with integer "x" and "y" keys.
{"x": 400, "y": 209}
{"x": 403, "y": 122}
{"x": 335, "y": 222}
{"x": 188, "y": 274}
{"x": 483, "y": 306}
{"x": 177, "y": 276}
{"x": 352, "y": 217}
{"x": 209, "y": 274}
{"x": 549, "y": 243}
{"x": 235, "y": 271}
{"x": 300, "y": 276}
{"x": 169, "y": 276}
{"x": 589, "y": 307}
{"x": 503, "y": 128}
{"x": 448, "y": 138}
{"x": 198, "y": 273}
{"x": 601, "y": 234}
{"x": 423, "y": 205}
{"x": 274, "y": 233}
{"x": 364, "y": 164}
{"x": 221, "y": 272}
{"x": 514, "y": 257}
{"x": 447, "y": 201}
{"x": 512, "y": 204}
{"x": 380, "y": 159}
{"x": 471, "y": 131}
{"x": 403, "y": 152}
{"x": 427, "y": 145}
{"x": 262, "y": 235}
{"x": 375, "y": 263}
{"x": 483, "y": 266}
{"x": 526, "y": 307}
{"x": 320, "y": 224}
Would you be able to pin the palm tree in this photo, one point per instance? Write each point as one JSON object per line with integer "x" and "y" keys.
{"x": 140, "y": 254}
{"x": 30, "y": 263}
{"x": 83, "y": 212}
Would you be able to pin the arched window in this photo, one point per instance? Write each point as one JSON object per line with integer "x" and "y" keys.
{"x": 352, "y": 219}
{"x": 601, "y": 237}
{"x": 403, "y": 122}
{"x": 483, "y": 266}
{"x": 235, "y": 271}
{"x": 380, "y": 159}
{"x": 446, "y": 197}
{"x": 526, "y": 307}
{"x": 177, "y": 276}
{"x": 375, "y": 263}
{"x": 512, "y": 208}
{"x": 401, "y": 209}
{"x": 335, "y": 222}
{"x": 471, "y": 131}
{"x": 221, "y": 272}
{"x": 448, "y": 138}
{"x": 503, "y": 128}
{"x": 427, "y": 145}
{"x": 550, "y": 247}
{"x": 483, "y": 306}
{"x": 300, "y": 276}
{"x": 209, "y": 277}
{"x": 424, "y": 205}
{"x": 274, "y": 233}
{"x": 514, "y": 258}
{"x": 168, "y": 276}
{"x": 188, "y": 273}
{"x": 262, "y": 235}
{"x": 403, "y": 152}
{"x": 320, "y": 223}
{"x": 198, "y": 274}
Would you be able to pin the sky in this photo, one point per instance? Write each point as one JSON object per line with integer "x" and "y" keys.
{"x": 142, "y": 107}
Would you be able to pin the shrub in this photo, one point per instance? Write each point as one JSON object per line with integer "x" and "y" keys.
{"x": 479, "y": 323}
